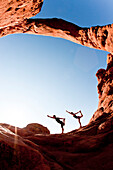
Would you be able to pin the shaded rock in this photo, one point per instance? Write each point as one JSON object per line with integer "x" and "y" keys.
{"x": 15, "y": 154}
{"x": 104, "y": 112}
{"x": 34, "y": 129}
{"x": 68, "y": 151}
{"x": 105, "y": 126}
{"x": 30, "y": 129}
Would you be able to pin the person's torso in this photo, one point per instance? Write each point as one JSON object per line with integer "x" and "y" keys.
{"x": 58, "y": 120}
{"x": 75, "y": 116}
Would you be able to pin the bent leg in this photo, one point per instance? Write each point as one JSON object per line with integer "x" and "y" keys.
{"x": 64, "y": 121}
{"x": 81, "y": 114}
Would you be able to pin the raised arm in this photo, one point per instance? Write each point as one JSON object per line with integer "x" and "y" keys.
{"x": 50, "y": 116}
{"x": 70, "y": 112}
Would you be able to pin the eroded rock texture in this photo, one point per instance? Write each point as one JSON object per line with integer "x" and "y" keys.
{"x": 104, "y": 112}
{"x": 19, "y": 153}
{"x": 15, "y": 11}
{"x": 14, "y": 18}
{"x": 30, "y": 129}
{"x": 80, "y": 149}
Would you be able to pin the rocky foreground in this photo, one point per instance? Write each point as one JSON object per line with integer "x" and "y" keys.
{"x": 34, "y": 148}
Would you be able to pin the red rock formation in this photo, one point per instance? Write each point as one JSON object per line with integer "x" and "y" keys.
{"x": 15, "y": 11}
{"x": 29, "y": 130}
{"x": 17, "y": 154}
{"x": 80, "y": 149}
{"x": 14, "y": 18}
{"x": 94, "y": 37}
{"x": 104, "y": 112}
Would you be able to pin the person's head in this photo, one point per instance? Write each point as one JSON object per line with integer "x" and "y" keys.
{"x": 54, "y": 116}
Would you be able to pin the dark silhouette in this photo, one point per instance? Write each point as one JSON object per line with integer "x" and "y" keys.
{"x": 77, "y": 117}
{"x": 59, "y": 121}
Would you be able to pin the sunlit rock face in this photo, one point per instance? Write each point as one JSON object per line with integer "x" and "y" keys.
{"x": 15, "y": 11}
{"x": 29, "y": 130}
{"x": 19, "y": 153}
{"x": 15, "y": 18}
{"x": 104, "y": 112}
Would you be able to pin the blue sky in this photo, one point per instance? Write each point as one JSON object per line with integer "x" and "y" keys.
{"x": 45, "y": 75}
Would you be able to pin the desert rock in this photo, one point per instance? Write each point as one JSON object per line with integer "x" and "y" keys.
{"x": 14, "y": 18}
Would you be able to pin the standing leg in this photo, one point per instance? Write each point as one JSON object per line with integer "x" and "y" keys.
{"x": 79, "y": 122}
{"x": 79, "y": 117}
{"x": 62, "y": 125}
{"x": 62, "y": 130}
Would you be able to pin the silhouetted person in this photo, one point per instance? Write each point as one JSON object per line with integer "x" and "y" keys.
{"x": 77, "y": 117}
{"x": 59, "y": 121}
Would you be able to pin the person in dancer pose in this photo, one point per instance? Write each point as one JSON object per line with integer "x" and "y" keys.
{"x": 59, "y": 121}
{"x": 75, "y": 116}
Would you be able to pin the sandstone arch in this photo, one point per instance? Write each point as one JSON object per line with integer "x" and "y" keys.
{"x": 14, "y": 18}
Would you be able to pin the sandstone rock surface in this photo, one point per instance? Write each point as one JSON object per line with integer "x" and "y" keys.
{"x": 29, "y": 130}
{"x": 104, "y": 112}
{"x": 17, "y": 154}
{"x": 14, "y": 18}
{"x": 14, "y": 11}
{"x": 79, "y": 149}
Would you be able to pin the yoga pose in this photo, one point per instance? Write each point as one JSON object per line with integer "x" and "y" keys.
{"x": 77, "y": 117}
{"x": 59, "y": 121}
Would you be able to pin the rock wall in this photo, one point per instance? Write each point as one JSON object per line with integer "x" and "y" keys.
{"x": 104, "y": 112}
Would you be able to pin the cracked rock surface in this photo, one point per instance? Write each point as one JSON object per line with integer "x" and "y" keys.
{"x": 14, "y": 11}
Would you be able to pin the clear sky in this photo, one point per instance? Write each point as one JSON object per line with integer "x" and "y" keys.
{"x": 43, "y": 75}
